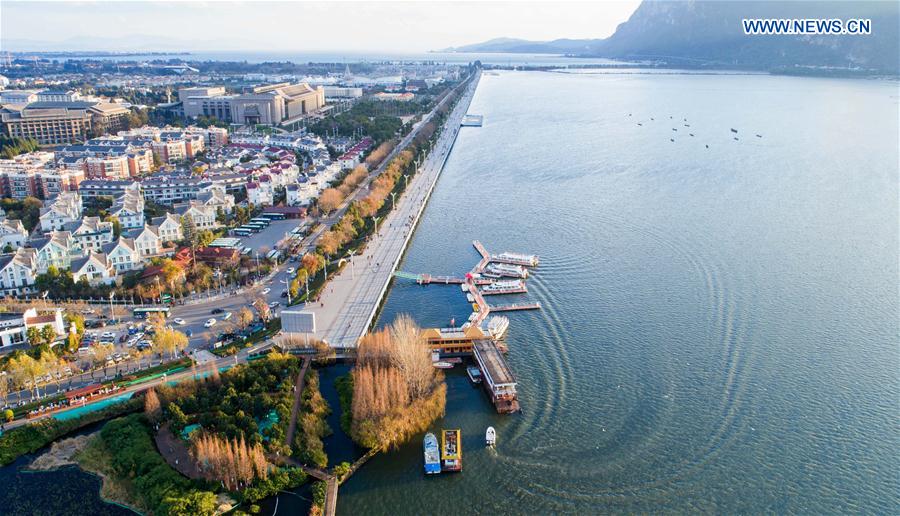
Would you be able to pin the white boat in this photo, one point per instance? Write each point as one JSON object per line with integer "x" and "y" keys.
{"x": 432, "y": 454}
{"x": 490, "y": 436}
{"x": 464, "y": 287}
{"x": 442, "y": 365}
{"x": 474, "y": 374}
{"x": 470, "y": 298}
{"x": 503, "y": 269}
{"x": 504, "y": 286}
{"x": 497, "y": 326}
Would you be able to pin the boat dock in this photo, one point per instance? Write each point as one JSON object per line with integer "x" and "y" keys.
{"x": 516, "y": 306}
{"x": 472, "y": 121}
{"x": 498, "y": 379}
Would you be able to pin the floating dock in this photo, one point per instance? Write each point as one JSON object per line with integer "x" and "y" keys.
{"x": 516, "y": 306}
{"x": 472, "y": 121}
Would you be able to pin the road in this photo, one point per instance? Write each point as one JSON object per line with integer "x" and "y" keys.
{"x": 354, "y": 312}
{"x": 348, "y": 304}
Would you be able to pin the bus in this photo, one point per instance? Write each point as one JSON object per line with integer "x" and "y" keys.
{"x": 143, "y": 313}
{"x": 242, "y": 232}
{"x": 261, "y": 220}
{"x": 273, "y": 216}
{"x": 248, "y": 227}
{"x": 258, "y": 226}
{"x": 274, "y": 254}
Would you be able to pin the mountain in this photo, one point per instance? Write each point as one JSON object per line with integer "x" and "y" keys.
{"x": 709, "y": 34}
{"x": 524, "y": 46}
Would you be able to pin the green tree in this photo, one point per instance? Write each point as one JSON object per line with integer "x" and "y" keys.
{"x": 33, "y": 335}
{"x": 200, "y": 503}
{"x": 48, "y": 334}
{"x": 117, "y": 226}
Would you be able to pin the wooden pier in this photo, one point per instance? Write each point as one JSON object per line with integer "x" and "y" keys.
{"x": 515, "y": 306}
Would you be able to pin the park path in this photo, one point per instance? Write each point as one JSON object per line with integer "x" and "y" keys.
{"x": 298, "y": 399}
{"x": 176, "y": 453}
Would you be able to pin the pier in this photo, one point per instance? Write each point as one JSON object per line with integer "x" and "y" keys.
{"x": 516, "y": 306}
{"x": 472, "y": 121}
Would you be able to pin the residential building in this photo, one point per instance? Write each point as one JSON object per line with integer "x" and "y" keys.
{"x": 215, "y": 197}
{"x": 342, "y": 92}
{"x": 55, "y": 250}
{"x": 14, "y": 325}
{"x": 58, "y": 96}
{"x": 270, "y": 104}
{"x": 18, "y": 271}
{"x": 12, "y": 234}
{"x": 18, "y": 96}
{"x": 260, "y": 193}
{"x": 123, "y": 256}
{"x": 59, "y": 211}
{"x": 95, "y": 268}
{"x": 169, "y": 190}
{"x": 129, "y": 208}
{"x": 203, "y": 216}
{"x": 90, "y": 233}
{"x": 111, "y": 167}
{"x": 58, "y": 123}
{"x": 147, "y": 242}
{"x": 169, "y": 227}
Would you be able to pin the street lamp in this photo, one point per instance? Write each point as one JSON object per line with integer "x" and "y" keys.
{"x": 350, "y": 256}
{"x": 375, "y": 220}
{"x": 112, "y": 313}
{"x": 287, "y": 287}
{"x": 393, "y": 199}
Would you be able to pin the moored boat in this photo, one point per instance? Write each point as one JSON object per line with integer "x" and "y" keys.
{"x": 497, "y": 326}
{"x": 451, "y": 450}
{"x": 490, "y": 436}
{"x": 432, "y": 454}
{"x": 474, "y": 374}
{"x": 442, "y": 365}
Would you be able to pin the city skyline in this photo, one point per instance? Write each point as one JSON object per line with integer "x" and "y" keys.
{"x": 402, "y": 26}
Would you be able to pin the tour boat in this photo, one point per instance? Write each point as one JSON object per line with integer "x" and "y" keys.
{"x": 503, "y": 269}
{"x": 451, "y": 450}
{"x": 432, "y": 454}
{"x": 474, "y": 374}
{"x": 490, "y": 436}
{"x": 497, "y": 326}
{"x": 504, "y": 286}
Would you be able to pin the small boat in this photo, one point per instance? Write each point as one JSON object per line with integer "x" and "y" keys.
{"x": 470, "y": 298}
{"x": 692, "y": 134}
{"x": 464, "y": 287}
{"x": 687, "y": 125}
{"x": 451, "y": 450}
{"x": 759, "y": 136}
{"x": 707, "y": 146}
{"x": 676, "y": 130}
{"x": 734, "y": 130}
{"x": 640, "y": 123}
{"x": 442, "y": 365}
{"x": 651, "y": 118}
{"x": 432, "y": 454}
{"x": 672, "y": 140}
{"x": 497, "y": 326}
{"x": 474, "y": 374}
{"x": 490, "y": 436}
{"x": 735, "y": 138}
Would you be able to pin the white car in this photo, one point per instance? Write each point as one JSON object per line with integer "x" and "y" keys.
{"x": 179, "y": 321}
{"x": 273, "y": 304}
{"x": 108, "y": 335}
{"x": 226, "y": 316}
{"x": 291, "y": 270}
{"x": 266, "y": 290}
{"x": 209, "y": 323}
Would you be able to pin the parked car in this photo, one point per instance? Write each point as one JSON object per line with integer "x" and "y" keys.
{"x": 179, "y": 321}
{"x": 273, "y": 304}
{"x": 266, "y": 290}
{"x": 226, "y": 316}
{"x": 108, "y": 335}
{"x": 209, "y": 323}
{"x": 291, "y": 270}
{"x": 217, "y": 311}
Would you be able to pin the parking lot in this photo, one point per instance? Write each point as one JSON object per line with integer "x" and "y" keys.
{"x": 270, "y": 236}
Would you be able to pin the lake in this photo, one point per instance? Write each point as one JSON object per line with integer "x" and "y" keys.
{"x": 719, "y": 330}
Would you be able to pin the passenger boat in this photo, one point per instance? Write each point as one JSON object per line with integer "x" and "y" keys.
{"x": 464, "y": 287}
{"x": 497, "y": 326}
{"x": 504, "y": 287}
{"x": 474, "y": 374}
{"x": 490, "y": 436}
{"x": 432, "y": 454}
{"x": 451, "y": 450}
{"x": 504, "y": 269}
{"x": 528, "y": 260}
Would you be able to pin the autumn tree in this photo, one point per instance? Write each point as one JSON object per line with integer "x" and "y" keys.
{"x": 230, "y": 461}
{"x": 170, "y": 340}
{"x": 243, "y": 318}
{"x": 262, "y": 308}
{"x": 151, "y": 405}
{"x": 330, "y": 199}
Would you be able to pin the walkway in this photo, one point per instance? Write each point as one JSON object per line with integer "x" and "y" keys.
{"x": 351, "y": 299}
{"x": 298, "y": 400}
{"x": 176, "y": 453}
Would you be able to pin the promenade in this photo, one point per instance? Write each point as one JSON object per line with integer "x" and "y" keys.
{"x": 350, "y": 301}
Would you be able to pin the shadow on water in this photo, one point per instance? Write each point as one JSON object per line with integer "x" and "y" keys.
{"x": 74, "y": 490}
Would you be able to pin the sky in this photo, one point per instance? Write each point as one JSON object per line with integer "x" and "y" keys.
{"x": 410, "y": 26}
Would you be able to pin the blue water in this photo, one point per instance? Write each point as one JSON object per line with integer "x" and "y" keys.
{"x": 719, "y": 331}
{"x": 92, "y": 407}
